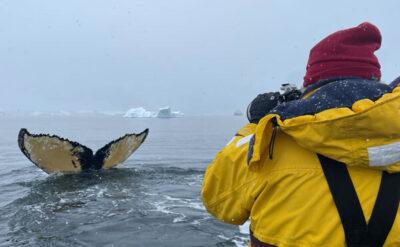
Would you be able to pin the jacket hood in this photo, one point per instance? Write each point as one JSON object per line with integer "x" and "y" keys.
{"x": 353, "y": 121}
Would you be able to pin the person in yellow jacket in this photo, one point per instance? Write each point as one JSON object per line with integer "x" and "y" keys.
{"x": 322, "y": 170}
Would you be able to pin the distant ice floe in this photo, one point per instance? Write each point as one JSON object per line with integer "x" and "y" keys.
{"x": 139, "y": 112}
{"x": 237, "y": 113}
{"x": 99, "y": 113}
{"x": 74, "y": 113}
{"x": 58, "y": 113}
{"x": 112, "y": 113}
{"x": 164, "y": 112}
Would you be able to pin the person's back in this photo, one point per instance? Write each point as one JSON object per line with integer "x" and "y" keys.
{"x": 284, "y": 172}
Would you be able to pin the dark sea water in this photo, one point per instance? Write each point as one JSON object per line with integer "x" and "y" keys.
{"x": 150, "y": 200}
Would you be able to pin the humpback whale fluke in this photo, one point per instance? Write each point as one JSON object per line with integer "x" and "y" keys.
{"x": 52, "y": 153}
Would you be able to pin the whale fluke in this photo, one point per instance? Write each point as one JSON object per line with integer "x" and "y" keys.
{"x": 52, "y": 153}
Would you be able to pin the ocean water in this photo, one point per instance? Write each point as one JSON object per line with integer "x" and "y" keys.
{"x": 150, "y": 200}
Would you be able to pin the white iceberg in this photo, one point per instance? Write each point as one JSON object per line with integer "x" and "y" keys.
{"x": 166, "y": 112}
{"x": 139, "y": 112}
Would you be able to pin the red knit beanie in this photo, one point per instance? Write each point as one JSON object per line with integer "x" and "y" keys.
{"x": 346, "y": 53}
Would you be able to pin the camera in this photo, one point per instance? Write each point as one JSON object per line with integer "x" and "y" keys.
{"x": 289, "y": 92}
{"x": 265, "y": 102}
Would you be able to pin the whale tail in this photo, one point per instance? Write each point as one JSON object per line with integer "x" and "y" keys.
{"x": 52, "y": 153}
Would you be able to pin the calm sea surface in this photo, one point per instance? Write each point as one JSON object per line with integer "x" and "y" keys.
{"x": 150, "y": 200}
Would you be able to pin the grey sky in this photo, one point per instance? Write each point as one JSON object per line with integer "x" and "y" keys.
{"x": 207, "y": 57}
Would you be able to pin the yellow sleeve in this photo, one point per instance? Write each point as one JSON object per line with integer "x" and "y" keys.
{"x": 228, "y": 185}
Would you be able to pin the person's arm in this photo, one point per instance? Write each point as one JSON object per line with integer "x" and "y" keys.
{"x": 229, "y": 187}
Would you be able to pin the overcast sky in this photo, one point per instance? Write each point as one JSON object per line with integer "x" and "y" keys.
{"x": 198, "y": 56}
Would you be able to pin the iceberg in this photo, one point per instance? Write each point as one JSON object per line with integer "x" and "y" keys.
{"x": 166, "y": 112}
{"x": 139, "y": 112}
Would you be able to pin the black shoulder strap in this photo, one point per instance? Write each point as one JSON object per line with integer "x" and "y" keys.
{"x": 357, "y": 232}
{"x": 346, "y": 200}
{"x": 385, "y": 209}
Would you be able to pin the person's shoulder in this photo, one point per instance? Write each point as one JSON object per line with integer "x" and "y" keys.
{"x": 332, "y": 94}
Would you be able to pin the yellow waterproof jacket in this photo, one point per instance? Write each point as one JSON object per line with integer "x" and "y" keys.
{"x": 279, "y": 183}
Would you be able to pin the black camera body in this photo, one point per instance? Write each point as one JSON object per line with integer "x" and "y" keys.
{"x": 265, "y": 102}
{"x": 289, "y": 92}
